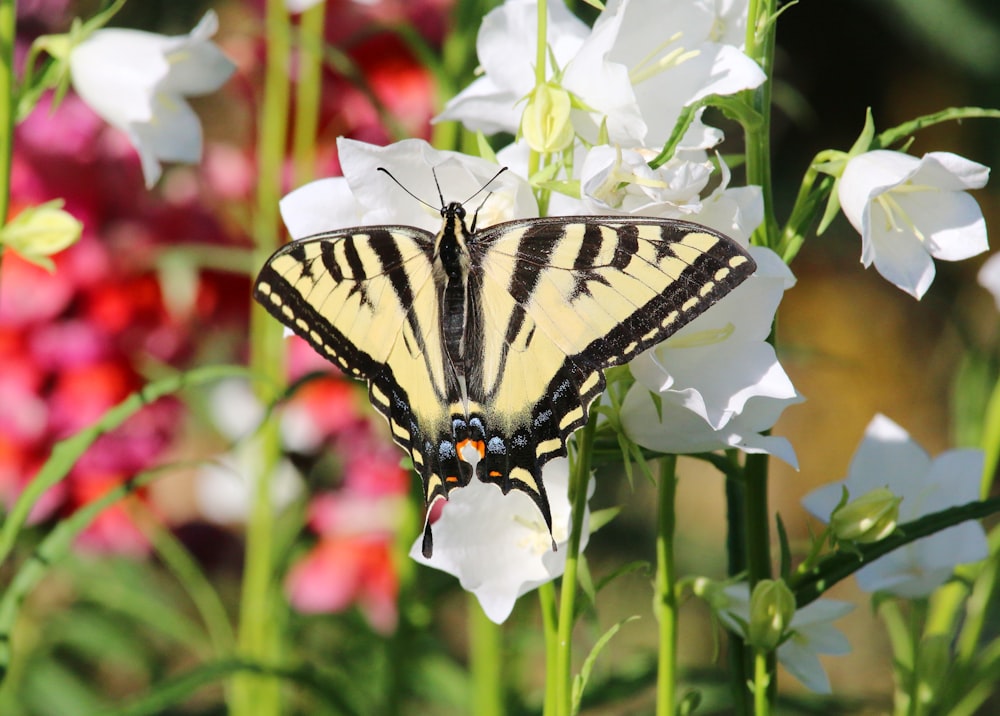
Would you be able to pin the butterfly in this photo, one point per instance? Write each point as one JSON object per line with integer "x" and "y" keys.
{"x": 484, "y": 349}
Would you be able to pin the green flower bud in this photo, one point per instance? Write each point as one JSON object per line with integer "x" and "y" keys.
{"x": 545, "y": 123}
{"x": 868, "y": 518}
{"x": 40, "y": 231}
{"x": 772, "y": 606}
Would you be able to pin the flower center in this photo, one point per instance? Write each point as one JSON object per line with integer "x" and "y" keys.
{"x": 537, "y": 540}
{"x": 620, "y": 177}
{"x": 661, "y": 58}
{"x": 896, "y": 218}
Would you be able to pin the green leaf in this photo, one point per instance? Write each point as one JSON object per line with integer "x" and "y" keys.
{"x": 634, "y": 566}
{"x": 586, "y": 581}
{"x": 599, "y": 518}
{"x": 484, "y": 148}
{"x": 580, "y": 680}
{"x": 786, "y": 553}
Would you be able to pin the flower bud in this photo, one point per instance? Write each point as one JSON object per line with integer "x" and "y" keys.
{"x": 545, "y": 123}
{"x": 868, "y": 518}
{"x": 772, "y": 606}
{"x": 40, "y": 231}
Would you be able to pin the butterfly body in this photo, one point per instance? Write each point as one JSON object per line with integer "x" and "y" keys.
{"x": 484, "y": 349}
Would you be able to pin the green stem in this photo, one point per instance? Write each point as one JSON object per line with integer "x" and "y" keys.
{"x": 762, "y": 680}
{"x": 904, "y": 130}
{"x": 486, "y": 664}
{"x": 579, "y": 479}
{"x": 547, "y": 602}
{"x": 977, "y": 610}
{"x": 307, "y": 93}
{"x": 8, "y": 19}
{"x": 839, "y": 565}
{"x": 541, "y": 43}
{"x": 760, "y": 38}
{"x": 259, "y": 631}
{"x": 737, "y": 557}
{"x": 666, "y": 588}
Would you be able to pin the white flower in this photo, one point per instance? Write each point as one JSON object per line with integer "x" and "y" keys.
{"x": 137, "y": 81}
{"x": 888, "y": 457}
{"x": 908, "y": 210}
{"x": 506, "y": 49}
{"x": 812, "y": 634}
{"x": 721, "y": 371}
{"x": 224, "y": 487}
{"x": 498, "y": 545}
{"x": 620, "y": 181}
{"x": 989, "y": 277}
{"x": 637, "y": 75}
{"x": 366, "y": 196}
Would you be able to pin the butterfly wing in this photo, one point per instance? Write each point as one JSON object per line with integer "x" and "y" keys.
{"x": 557, "y": 301}
{"x": 367, "y": 299}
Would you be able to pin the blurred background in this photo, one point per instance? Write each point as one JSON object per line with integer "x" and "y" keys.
{"x": 161, "y": 279}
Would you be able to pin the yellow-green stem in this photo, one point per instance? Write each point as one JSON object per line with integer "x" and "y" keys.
{"x": 547, "y": 602}
{"x": 666, "y": 588}
{"x": 8, "y": 18}
{"x": 307, "y": 93}
{"x": 762, "y": 679}
{"x": 486, "y": 664}
{"x": 760, "y": 36}
{"x": 259, "y": 631}
{"x": 579, "y": 479}
{"x": 542, "y": 15}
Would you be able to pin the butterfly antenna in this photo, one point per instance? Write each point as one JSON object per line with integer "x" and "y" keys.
{"x": 502, "y": 170}
{"x": 430, "y": 206}
{"x": 472, "y": 226}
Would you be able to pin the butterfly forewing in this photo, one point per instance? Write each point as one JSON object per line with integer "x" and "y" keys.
{"x": 543, "y": 306}
{"x": 563, "y": 299}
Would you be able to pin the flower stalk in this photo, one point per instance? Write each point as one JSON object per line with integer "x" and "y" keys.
{"x": 259, "y": 630}
{"x": 579, "y": 479}
{"x": 486, "y": 640}
{"x": 8, "y": 17}
{"x": 307, "y": 92}
{"x": 666, "y": 588}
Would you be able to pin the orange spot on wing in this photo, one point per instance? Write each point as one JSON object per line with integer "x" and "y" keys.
{"x": 451, "y": 478}
{"x": 478, "y": 445}
{"x": 494, "y": 473}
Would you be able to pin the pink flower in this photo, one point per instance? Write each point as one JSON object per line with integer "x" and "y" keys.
{"x": 341, "y": 571}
